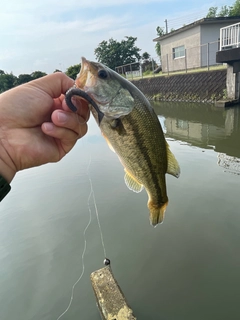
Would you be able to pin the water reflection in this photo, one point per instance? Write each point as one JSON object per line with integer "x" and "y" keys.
{"x": 205, "y": 126}
{"x": 186, "y": 269}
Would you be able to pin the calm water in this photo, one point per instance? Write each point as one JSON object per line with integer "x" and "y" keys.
{"x": 187, "y": 268}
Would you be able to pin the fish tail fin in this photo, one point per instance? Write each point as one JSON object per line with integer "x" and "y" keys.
{"x": 157, "y": 213}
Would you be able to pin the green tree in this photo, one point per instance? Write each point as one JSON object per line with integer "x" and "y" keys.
{"x": 160, "y": 33}
{"x": 7, "y": 81}
{"x": 113, "y": 53}
{"x": 24, "y": 78}
{"x": 73, "y": 71}
{"x": 224, "y": 12}
{"x": 235, "y": 9}
{"x": 146, "y": 62}
{"x": 212, "y": 12}
{"x": 145, "y": 56}
{"x": 37, "y": 74}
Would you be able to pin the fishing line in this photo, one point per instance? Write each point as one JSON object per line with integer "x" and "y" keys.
{"x": 91, "y": 194}
{"x": 97, "y": 216}
{"x": 72, "y": 93}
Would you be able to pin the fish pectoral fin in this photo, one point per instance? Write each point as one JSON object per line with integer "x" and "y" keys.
{"x": 173, "y": 166}
{"x": 132, "y": 183}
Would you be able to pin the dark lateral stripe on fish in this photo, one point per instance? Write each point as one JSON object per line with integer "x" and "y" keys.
{"x": 138, "y": 136}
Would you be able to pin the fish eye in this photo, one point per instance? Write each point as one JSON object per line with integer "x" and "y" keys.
{"x": 102, "y": 74}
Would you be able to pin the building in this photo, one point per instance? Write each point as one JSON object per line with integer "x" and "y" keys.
{"x": 229, "y": 53}
{"x": 194, "y": 45}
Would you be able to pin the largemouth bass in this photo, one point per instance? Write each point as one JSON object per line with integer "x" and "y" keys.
{"x": 132, "y": 130}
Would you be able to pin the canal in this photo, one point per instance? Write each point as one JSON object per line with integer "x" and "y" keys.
{"x": 185, "y": 269}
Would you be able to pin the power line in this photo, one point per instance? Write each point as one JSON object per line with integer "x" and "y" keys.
{"x": 185, "y": 19}
{"x": 197, "y": 13}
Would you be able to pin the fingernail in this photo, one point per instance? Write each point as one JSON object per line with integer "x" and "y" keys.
{"x": 62, "y": 117}
{"x": 48, "y": 126}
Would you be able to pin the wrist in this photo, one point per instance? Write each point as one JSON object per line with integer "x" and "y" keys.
{"x": 6, "y": 172}
{"x": 4, "y": 188}
{"x": 7, "y": 168}
{"x": 6, "y": 176}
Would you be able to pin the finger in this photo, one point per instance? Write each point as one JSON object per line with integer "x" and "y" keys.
{"x": 64, "y": 134}
{"x": 68, "y": 120}
{"x": 66, "y": 137}
{"x": 54, "y": 84}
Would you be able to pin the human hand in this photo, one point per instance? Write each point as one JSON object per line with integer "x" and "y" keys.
{"x": 36, "y": 125}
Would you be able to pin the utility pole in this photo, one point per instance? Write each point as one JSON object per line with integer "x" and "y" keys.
{"x": 166, "y": 25}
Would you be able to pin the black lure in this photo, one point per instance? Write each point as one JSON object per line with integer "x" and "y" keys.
{"x": 78, "y": 92}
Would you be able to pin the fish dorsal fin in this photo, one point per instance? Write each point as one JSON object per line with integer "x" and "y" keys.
{"x": 173, "y": 166}
{"x": 131, "y": 183}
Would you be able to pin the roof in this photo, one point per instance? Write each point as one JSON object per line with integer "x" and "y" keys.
{"x": 202, "y": 21}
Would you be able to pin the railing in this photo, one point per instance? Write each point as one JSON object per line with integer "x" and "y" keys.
{"x": 230, "y": 37}
{"x": 203, "y": 56}
{"x": 197, "y": 58}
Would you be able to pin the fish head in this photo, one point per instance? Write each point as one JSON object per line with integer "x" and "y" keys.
{"x": 108, "y": 89}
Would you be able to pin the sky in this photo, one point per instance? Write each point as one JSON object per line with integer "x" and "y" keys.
{"x": 44, "y": 35}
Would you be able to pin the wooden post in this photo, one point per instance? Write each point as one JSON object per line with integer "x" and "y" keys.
{"x": 110, "y": 299}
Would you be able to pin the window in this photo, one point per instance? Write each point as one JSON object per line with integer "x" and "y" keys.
{"x": 178, "y": 52}
{"x": 182, "y": 124}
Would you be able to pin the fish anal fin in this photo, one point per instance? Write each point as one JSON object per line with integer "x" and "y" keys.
{"x": 132, "y": 183}
{"x": 173, "y": 166}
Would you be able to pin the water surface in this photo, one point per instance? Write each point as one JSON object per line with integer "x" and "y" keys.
{"x": 187, "y": 268}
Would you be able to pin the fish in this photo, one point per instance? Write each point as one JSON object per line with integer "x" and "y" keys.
{"x": 133, "y": 131}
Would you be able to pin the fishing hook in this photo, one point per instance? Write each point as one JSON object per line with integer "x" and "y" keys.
{"x": 78, "y": 92}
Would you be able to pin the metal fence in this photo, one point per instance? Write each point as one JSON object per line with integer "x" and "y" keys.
{"x": 203, "y": 56}
{"x": 139, "y": 69}
{"x": 230, "y": 37}
{"x": 193, "y": 58}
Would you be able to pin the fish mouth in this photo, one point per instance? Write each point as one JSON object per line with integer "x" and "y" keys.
{"x": 88, "y": 69}
{"x": 82, "y": 76}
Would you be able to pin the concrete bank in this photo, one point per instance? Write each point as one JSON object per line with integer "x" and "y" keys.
{"x": 110, "y": 299}
{"x": 207, "y": 86}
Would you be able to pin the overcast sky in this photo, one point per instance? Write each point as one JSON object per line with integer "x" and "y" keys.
{"x": 53, "y": 34}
